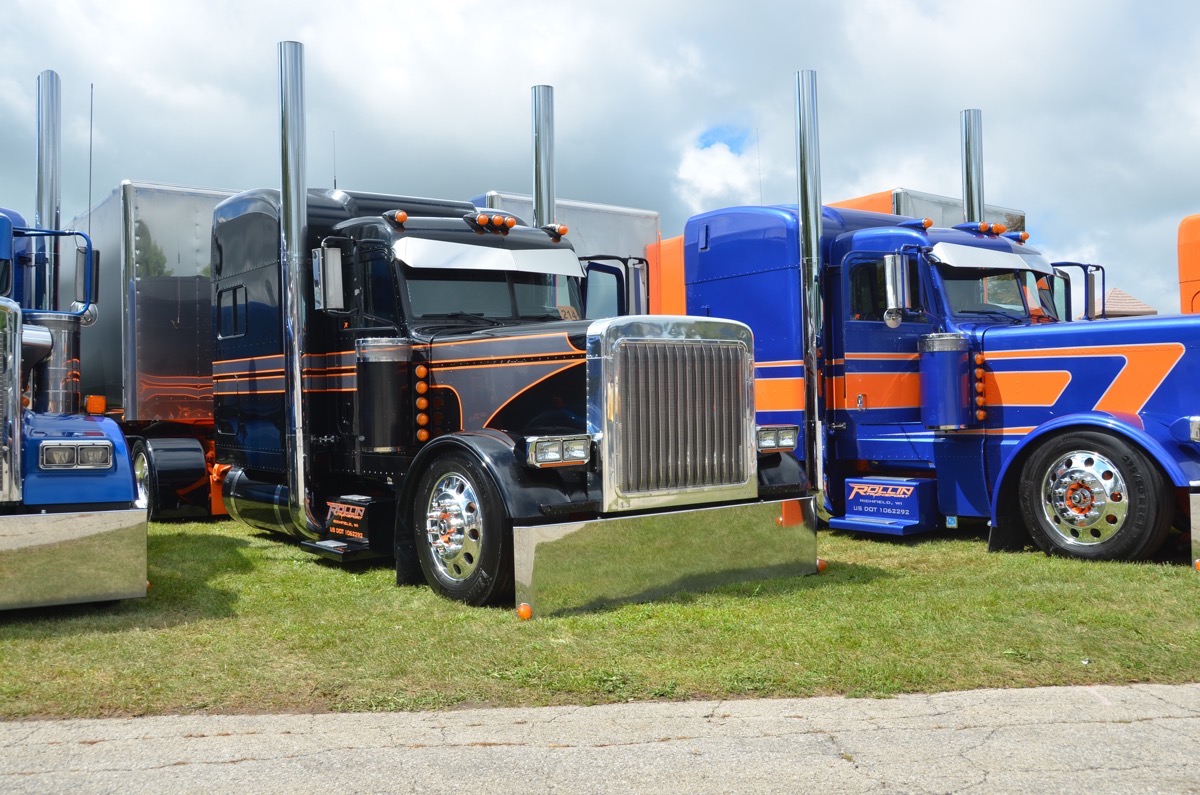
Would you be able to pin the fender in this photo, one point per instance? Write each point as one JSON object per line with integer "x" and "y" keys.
{"x": 524, "y": 489}
{"x": 1128, "y": 428}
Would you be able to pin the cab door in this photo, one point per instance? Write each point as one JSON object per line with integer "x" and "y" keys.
{"x": 880, "y": 394}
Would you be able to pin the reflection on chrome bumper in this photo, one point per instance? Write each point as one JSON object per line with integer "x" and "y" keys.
{"x": 63, "y": 558}
{"x": 1194, "y": 506}
{"x": 578, "y": 566}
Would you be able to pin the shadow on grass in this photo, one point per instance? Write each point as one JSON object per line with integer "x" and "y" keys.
{"x": 749, "y": 584}
{"x": 182, "y": 568}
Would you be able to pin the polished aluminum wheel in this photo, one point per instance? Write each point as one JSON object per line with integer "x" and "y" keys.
{"x": 454, "y": 527}
{"x": 141, "y": 477}
{"x": 1084, "y": 498}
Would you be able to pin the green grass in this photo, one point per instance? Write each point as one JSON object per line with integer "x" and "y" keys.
{"x": 238, "y": 621}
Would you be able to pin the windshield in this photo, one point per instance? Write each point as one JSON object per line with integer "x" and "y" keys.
{"x": 983, "y": 292}
{"x": 497, "y": 296}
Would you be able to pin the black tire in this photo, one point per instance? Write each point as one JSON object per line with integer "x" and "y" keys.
{"x": 1090, "y": 495}
{"x": 145, "y": 483}
{"x": 462, "y": 535}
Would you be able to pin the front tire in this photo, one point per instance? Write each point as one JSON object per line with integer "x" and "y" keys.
{"x": 463, "y": 537}
{"x": 144, "y": 480}
{"x": 1093, "y": 496}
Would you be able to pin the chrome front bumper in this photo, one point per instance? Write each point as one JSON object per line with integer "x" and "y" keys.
{"x": 579, "y": 566}
{"x": 64, "y": 558}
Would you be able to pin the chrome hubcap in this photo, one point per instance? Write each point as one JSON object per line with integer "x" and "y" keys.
{"x": 1084, "y": 498}
{"x": 454, "y": 527}
{"x": 141, "y": 476}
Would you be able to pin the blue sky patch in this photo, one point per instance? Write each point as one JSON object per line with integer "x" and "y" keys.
{"x": 731, "y": 136}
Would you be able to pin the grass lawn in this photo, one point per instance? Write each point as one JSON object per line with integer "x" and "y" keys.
{"x": 240, "y": 621}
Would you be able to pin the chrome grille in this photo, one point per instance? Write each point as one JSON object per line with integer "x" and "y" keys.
{"x": 681, "y": 409}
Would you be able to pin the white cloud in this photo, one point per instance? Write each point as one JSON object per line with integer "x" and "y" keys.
{"x": 713, "y": 176}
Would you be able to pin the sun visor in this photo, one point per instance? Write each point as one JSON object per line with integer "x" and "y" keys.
{"x": 960, "y": 256}
{"x": 421, "y": 253}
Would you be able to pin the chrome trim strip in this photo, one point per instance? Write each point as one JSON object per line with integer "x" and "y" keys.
{"x": 10, "y": 401}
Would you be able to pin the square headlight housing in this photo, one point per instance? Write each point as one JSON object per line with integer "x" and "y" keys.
{"x": 776, "y": 438}
{"x": 62, "y": 454}
{"x": 558, "y": 451}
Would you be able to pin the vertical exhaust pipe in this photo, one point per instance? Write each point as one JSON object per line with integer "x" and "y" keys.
{"x": 972, "y": 163}
{"x": 293, "y": 232}
{"x": 808, "y": 189}
{"x": 543, "y": 156}
{"x": 49, "y": 162}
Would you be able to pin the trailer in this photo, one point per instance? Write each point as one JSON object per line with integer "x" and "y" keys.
{"x": 70, "y": 530}
{"x": 149, "y": 354}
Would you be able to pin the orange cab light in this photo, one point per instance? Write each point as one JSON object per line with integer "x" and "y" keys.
{"x": 497, "y": 220}
{"x": 95, "y": 404}
{"x": 422, "y": 403}
{"x": 422, "y": 419}
{"x": 984, "y": 226}
{"x": 1024, "y": 236}
{"x": 562, "y": 229}
{"x": 400, "y": 216}
{"x": 927, "y": 222}
{"x": 981, "y": 415}
{"x": 979, "y": 358}
{"x": 510, "y": 222}
{"x": 482, "y": 219}
{"x": 421, "y": 387}
{"x": 421, "y": 371}
{"x": 524, "y": 611}
{"x": 999, "y": 229}
{"x": 422, "y": 435}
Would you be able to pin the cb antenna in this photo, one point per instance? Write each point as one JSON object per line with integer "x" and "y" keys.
{"x": 91, "y": 124}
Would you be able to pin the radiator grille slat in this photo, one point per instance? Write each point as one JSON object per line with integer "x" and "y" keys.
{"x": 680, "y": 414}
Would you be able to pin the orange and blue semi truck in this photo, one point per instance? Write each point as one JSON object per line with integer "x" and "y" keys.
{"x": 942, "y": 384}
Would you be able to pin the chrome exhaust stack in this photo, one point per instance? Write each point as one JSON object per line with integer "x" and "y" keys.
{"x": 808, "y": 189}
{"x": 49, "y": 164}
{"x": 972, "y": 163}
{"x": 293, "y": 234}
{"x": 543, "y": 156}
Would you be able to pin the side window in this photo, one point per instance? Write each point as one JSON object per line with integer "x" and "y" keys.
{"x": 231, "y": 312}
{"x": 605, "y": 296}
{"x": 868, "y": 293}
{"x": 379, "y": 300}
{"x": 868, "y": 290}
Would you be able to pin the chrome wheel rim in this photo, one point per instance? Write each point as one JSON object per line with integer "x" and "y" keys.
{"x": 141, "y": 478}
{"x": 1084, "y": 498}
{"x": 454, "y": 527}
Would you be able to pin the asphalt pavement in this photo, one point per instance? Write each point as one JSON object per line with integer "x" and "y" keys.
{"x": 1135, "y": 739}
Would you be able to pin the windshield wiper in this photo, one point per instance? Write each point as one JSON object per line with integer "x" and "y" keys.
{"x": 990, "y": 313}
{"x": 471, "y": 316}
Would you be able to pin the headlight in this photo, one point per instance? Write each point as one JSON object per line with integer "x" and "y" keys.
{"x": 552, "y": 451}
{"x": 75, "y": 455}
{"x": 776, "y": 438}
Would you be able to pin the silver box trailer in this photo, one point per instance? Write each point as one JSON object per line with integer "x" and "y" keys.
{"x": 149, "y": 352}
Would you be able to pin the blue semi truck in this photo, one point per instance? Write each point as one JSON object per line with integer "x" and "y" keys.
{"x": 70, "y": 529}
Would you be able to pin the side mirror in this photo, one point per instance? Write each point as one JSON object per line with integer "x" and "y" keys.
{"x": 87, "y": 275}
{"x": 328, "y": 292}
{"x": 1089, "y": 294}
{"x": 899, "y": 291}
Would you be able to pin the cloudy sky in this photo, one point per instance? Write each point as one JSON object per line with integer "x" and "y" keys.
{"x": 1091, "y": 110}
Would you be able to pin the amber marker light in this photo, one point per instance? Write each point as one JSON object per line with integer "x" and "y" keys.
{"x": 422, "y": 403}
{"x": 422, "y": 419}
{"x": 422, "y": 435}
{"x": 421, "y": 371}
{"x": 821, "y": 565}
{"x": 510, "y": 222}
{"x": 927, "y": 222}
{"x": 999, "y": 229}
{"x": 979, "y": 358}
{"x": 421, "y": 387}
{"x": 524, "y": 611}
{"x": 95, "y": 404}
{"x": 981, "y": 415}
